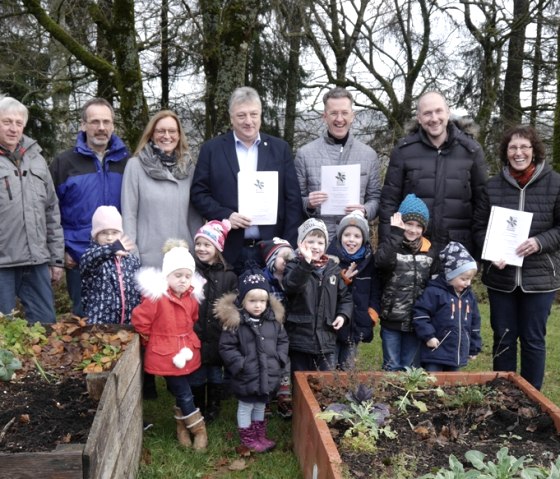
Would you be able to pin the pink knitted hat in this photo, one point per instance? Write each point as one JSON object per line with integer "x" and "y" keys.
{"x": 216, "y": 232}
{"x": 106, "y": 218}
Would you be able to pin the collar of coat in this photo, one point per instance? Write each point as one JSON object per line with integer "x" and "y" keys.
{"x": 230, "y": 315}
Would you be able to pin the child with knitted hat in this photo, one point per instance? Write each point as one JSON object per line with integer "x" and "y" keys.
{"x": 207, "y": 382}
{"x": 165, "y": 320}
{"x": 275, "y": 254}
{"x": 319, "y": 300}
{"x": 405, "y": 260}
{"x": 446, "y": 316}
{"x": 254, "y": 347}
{"x": 353, "y": 249}
{"x": 107, "y": 270}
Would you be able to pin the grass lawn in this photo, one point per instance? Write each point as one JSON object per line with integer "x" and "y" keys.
{"x": 163, "y": 458}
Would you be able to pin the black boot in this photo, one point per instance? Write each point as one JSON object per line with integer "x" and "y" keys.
{"x": 149, "y": 390}
{"x": 214, "y": 400}
{"x": 199, "y": 397}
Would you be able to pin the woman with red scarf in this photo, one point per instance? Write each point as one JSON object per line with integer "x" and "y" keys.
{"x": 521, "y": 296}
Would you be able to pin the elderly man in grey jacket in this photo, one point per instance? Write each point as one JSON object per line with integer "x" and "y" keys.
{"x": 337, "y": 146}
{"x": 31, "y": 240}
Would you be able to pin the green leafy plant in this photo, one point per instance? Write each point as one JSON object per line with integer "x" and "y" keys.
{"x": 17, "y": 336}
{"x": 413, "y": 381}
{"x": 465, "y": 396}
{"x": 505, "y": 467}
{"x": 8, "y": 364}
{"x": 367, "y": 424}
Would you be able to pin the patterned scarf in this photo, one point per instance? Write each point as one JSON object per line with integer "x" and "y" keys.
{"x": 523, "y": 177}
{"x": 168, "y": 161}
{"x": 14, "y": 156}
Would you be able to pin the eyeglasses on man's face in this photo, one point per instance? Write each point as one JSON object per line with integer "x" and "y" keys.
{"x": 523, "y": 148}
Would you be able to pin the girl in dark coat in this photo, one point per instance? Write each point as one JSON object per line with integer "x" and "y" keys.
{"x": 254, "y": 347}
{"x": 353, "y": 249}
{"x": 207, "y": 381}
{"x": 107, "y": 269}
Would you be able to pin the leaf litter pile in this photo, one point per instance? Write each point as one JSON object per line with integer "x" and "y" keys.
{"x": 46, "y": 402}
{"x": 429, "y": 425}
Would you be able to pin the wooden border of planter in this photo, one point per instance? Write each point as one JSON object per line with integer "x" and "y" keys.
{"x": 314, "y": 447}
{"x": 114, "y": 443}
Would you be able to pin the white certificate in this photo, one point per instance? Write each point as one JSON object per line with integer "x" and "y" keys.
{"x": 258, "y": 196}
{"x": 342, "y": 185}
{"x": 507, "y": 229}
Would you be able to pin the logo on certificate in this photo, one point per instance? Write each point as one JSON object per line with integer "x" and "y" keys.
{"x": 259, "y": 186}
{"x": 340, "y": 178}
{"x": 511, "y": 223}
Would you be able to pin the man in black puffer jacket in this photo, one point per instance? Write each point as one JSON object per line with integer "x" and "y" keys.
{"x": 442, "y": 165}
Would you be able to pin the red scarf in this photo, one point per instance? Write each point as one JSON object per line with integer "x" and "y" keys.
{"x": 523, "y": 177}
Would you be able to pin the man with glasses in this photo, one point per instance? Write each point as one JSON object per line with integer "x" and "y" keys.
{"x": 442, "y": 164}
{"x": 87, "y": 176}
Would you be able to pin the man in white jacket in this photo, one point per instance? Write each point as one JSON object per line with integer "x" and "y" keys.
{"x": 337, "y": 146}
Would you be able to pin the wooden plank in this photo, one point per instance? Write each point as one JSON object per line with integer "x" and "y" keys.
{"x": 128, "y": 461}
{"x": 58, "y": 464}
{"x": 96, "y": 383}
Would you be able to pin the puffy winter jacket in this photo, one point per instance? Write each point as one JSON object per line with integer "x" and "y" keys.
{"x": 450, "y": 179}
{"x": 365, "y": 288}
{"x": 109, "y": 292}
{"x": 220, "y": 280}
{"x": 255, "y": 353}
{"x": 315, "y": 299}
{"x": 541, "y": 196}
{"x": 454, "y": 320}
{"x": 30, "y": 232}
{"x": 82, "y": 184}
{"x": 405, "y": 275}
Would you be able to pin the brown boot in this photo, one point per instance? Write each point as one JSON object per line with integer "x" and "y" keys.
{"x": 183, "y": 435}
{"x": 196, "y": 426}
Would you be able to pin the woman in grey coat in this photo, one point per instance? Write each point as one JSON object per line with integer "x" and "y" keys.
{"x": 156, "y": 187}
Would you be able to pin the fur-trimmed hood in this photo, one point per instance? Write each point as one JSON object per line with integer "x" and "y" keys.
{"x": 229, "y": 314}
{"x": 153, "y": 284}
{"x": 463, "y": 123}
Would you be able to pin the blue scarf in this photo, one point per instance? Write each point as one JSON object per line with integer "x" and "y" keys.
{"x": 350, "y": 258}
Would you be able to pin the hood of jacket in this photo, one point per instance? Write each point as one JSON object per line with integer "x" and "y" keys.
{"x": 153, "y": 284}
{"x": 116, "y": 149}
{"x": 230, "y": 315}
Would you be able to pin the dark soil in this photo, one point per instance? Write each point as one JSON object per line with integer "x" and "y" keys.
{"x": 45, "y": 414}
{"x": 505, "y": 418}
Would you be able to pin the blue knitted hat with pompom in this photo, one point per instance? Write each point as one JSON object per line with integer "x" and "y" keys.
{"x": 414, "y": 209}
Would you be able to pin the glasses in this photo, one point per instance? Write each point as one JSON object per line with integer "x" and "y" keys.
{"x": 523, "y": 148}
{"x": 163, "y": 131}
{"x": 98, "y": 123}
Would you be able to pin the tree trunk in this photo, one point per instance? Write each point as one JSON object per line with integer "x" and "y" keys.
{"x": 556, "y": 134}
{"x": 537, "y": 65}
{"x": 511, "y": 111}
{"x": 164, "y": 54}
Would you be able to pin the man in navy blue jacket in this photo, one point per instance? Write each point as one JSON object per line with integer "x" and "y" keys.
{"x": 85, "y": 177}
{"x": 214, "y": 190}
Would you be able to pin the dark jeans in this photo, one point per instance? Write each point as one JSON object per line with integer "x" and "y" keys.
{"x": 400, "y": 349}
{"x": 345, "y": 355}
{"x": 179, "y": 387}
{"x": 74, "y": 287}
{"x": 312, "y": 362}
{"x": 520, "y": 316}
{"x": 32, "y": 285}
{"x": 206, "y": 374}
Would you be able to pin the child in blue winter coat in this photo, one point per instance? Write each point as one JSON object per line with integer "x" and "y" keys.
{"x": 353, "y": 249}
{"x": 254, "y": 347}
{"x": 446, "y": 316}
{"x": 107, "y": 269}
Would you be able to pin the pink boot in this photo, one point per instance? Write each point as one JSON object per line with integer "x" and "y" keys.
{"x": 250, "y": 440}
{"x": 260, "y": 432}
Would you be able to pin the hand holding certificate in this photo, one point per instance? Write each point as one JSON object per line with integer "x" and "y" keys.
{"x": 507, "y": 229}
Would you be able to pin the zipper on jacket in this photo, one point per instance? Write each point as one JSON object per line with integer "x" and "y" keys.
{"x": 121, "y": 287}
{"x": 460, "y": 305}
{"x": 8, "y": 189}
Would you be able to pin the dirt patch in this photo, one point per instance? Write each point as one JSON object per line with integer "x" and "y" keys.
{"x": 505, "y": 417}
{"x": 44, "y": 414}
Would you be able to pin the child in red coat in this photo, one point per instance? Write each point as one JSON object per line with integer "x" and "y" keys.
{"x": 165, "y": 319}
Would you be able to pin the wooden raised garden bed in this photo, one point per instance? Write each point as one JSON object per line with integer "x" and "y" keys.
{"x": 114, "y": 444}
{"x": 314, "y": 446}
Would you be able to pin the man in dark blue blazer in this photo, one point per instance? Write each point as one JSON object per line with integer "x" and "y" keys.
{"x": 214, "y": 191}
